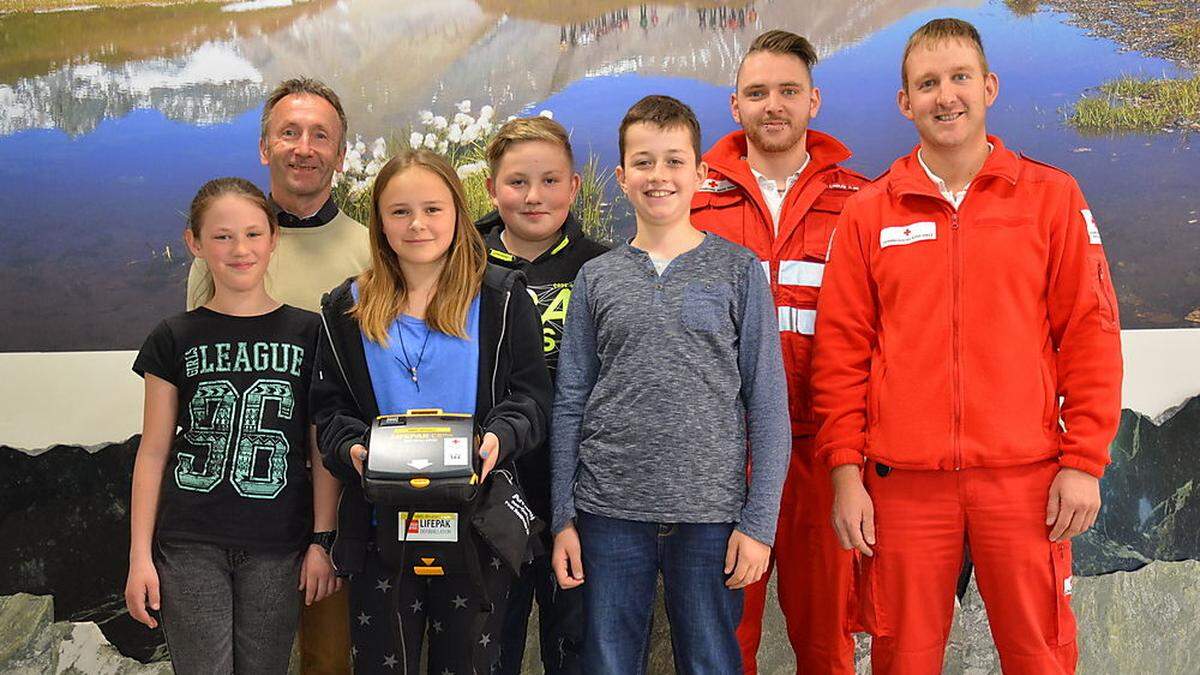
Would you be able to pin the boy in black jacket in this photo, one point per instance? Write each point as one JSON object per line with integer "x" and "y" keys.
{"x": 533, "y": 184}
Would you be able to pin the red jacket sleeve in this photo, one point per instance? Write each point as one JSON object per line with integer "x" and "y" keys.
{"x": 1085, "y": 331}
{"x": 847, "y": 321}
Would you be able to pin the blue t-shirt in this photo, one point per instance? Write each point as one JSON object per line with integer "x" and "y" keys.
{"x": 447, "y": 371}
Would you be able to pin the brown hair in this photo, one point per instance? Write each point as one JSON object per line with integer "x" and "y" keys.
{"x": 205, "y": 196}
{"x": 302, "y": 85}
{"x": 381, "y": 291}
{"x": 785, "y": 43}
{"x": 523, "y": 129}
{"x": 939, "y": 30}
{"x": 663, "y": 112}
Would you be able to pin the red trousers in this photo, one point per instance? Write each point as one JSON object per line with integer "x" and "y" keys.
{"x": 815, "y": 576}
{"x": 922, "y": 521}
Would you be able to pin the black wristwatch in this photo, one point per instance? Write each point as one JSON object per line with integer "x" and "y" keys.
{"x": 324, "y": 539}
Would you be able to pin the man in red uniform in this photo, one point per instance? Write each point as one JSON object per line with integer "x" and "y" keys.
{"x": 967, "y": 293}
{"x": 776, "y": 188}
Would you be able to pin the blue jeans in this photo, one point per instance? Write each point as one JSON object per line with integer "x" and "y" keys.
{"x": 621, "y": 563}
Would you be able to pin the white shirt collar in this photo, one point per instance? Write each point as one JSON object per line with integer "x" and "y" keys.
{"x": 771, "y": 193}
{"x": 955, "y": 198}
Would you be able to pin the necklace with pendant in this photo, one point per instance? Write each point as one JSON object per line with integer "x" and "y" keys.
{"x": 407, "y": 362}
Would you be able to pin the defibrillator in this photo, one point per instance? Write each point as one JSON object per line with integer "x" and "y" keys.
{"x": 422, "y": 475}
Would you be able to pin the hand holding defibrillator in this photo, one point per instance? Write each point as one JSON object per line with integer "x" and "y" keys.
{"x": 489, "y": 452}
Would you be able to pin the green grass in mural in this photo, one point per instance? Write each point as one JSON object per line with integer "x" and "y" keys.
{"x": 1131, "y": 104}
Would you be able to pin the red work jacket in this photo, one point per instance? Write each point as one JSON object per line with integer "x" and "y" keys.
{"x": 730, "y": 204}
{"x": 947, "y": 337}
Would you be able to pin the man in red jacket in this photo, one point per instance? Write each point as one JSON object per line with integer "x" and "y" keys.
{"x": 967, "y": 292}
{"x": 776, "y": 188}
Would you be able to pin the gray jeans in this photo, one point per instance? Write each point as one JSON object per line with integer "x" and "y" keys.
{"x": 227, "y": 610}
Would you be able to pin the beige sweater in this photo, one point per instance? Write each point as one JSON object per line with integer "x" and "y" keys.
{"x": 308, "y": 262}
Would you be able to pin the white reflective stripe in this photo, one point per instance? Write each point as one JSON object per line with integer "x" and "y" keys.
{"x": 766, "y": 269}
{"x": 801, "y": 273}
{"x": 803, "y": 321}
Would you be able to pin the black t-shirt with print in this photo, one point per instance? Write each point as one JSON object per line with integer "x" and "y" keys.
{"x": 236, "y": 475}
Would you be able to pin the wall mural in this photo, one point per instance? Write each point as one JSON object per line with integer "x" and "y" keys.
{"x": 111, "y": 116}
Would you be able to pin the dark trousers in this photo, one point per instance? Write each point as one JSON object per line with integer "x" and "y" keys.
{"x": 441, "y": 609}
{"x": 227, "y": 610}
{"x": 560, "y": 621}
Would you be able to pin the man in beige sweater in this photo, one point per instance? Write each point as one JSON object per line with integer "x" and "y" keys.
{"x": 303, "y": 142}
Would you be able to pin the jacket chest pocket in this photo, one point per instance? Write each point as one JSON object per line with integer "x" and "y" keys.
{"x": 819, "y": 224}
{"x": 706, "y": 306}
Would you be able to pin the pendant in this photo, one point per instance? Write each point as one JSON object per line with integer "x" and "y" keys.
{"x": 414, "y": 375}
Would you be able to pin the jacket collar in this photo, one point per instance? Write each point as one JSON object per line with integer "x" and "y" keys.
{"x": 491, "y": 225}
{"x": 323, "y": 216}
{"x": 727, "y": 157}
{"x": 906, "y": 177}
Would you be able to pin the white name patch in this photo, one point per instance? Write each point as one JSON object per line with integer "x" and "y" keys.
{"x": 1092, "y": 230}
{"x": 907, "y": 234}
{"x": 713, "y": 185}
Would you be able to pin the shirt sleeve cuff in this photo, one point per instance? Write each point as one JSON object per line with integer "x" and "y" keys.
{"x": 842, "y": 457}
{"x": 1082, "y": 464}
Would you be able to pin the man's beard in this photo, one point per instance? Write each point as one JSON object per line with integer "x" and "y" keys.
{"x": 777, "y": 144}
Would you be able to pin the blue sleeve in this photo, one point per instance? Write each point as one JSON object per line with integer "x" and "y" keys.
{"x": 578, "y": 368}
{"x": 764, "y": 393}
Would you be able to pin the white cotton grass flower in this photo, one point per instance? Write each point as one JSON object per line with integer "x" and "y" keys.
{"x": 486, "y": 113}
{"x": 373, "y": 167}
{"x": 547, "y": 114}
{"x": 470, "y": 134}
{"x": 455, "y": 135}
{"x": 355, "y": 165}
{"x": 440, "y": 123}
{"x": 470, "y": 169}
{"x": 443, "y": 147}
{"x": 431, "y": 140}
{"x": 463, "y": 119}
{"x": 415, "y": 139}
{"x": 426, "y": 117}
{"x": 464, "y": 106}
{"x": 359, "y": 146}
{"x": 379, "y": 149}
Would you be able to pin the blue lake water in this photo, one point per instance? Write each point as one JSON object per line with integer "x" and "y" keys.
{"x": 93, "y": 185}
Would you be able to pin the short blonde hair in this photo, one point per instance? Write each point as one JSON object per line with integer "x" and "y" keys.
{"x": 524, "y": 129}
{"x": 940, "y": 30}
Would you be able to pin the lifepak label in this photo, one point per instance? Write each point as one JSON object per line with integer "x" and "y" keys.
{"x": 713, "y": 185}
{"x": 902, "y": 235}
{"x": 429, "y": 527}
{"x": 1092, "y": 230}
{"x": 454, "y": 451}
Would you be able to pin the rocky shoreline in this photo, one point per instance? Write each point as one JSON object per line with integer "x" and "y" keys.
{"x": 1168, "y": 29}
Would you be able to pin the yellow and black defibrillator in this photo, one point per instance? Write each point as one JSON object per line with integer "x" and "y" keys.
{"x": 422, "y": 474}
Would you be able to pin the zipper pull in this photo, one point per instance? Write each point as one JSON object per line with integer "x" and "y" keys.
{"x": 954, "y": 221}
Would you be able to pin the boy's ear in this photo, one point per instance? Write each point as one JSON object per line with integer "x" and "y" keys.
{"x": 491, "y": 188}
{"x": 701, "y": 172}
{"x": 903, "y": 103}
{"x": 619, "y": 174}
{"x": 576, "y": 183}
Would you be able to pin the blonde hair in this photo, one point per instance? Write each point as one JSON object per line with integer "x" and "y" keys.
{"x": 205, "y": 196}
{"x": 939, "y": 30}
{"x": 523, "y": 129}
{"x": 382, "y": 294}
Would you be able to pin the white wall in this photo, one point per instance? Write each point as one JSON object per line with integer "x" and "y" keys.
{"x": 88, "y": 398}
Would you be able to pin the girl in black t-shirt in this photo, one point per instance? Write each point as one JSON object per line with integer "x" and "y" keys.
{"x": 223, "y": 511}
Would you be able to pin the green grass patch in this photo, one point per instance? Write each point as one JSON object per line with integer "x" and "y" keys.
{"x": 1130, "y": 104}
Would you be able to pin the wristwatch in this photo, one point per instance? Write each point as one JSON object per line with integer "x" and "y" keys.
{"x": 324, "y": 539}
